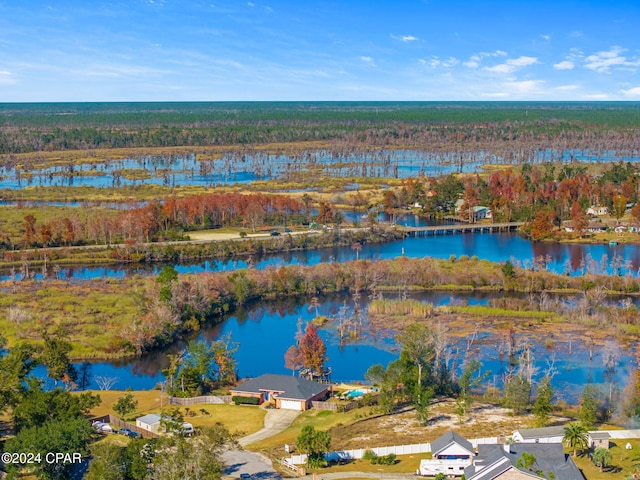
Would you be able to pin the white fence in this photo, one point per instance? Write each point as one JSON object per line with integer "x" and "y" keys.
{"x": 382, "y": 451}
{"x": 359, "y": 453}
{"x": 486, "y": 441}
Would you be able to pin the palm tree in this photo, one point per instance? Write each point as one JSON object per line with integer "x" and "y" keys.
{"x": 575, "y": 436}
{"x": 602, "y": 457}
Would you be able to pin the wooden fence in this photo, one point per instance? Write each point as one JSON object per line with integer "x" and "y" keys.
{"x": 117, "y": 424}
{"x": 202, "y": 400}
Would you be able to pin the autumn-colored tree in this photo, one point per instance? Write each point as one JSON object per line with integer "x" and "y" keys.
{"x": 579, "y": 221}
{"x": 325, "y": 214}
{"x": 29, "y": 226}
{"x": 390, "y": 200}
{"x": 635, "y": 213}
{"x": 292, "y": 359}
{"x": 68, "y": 235}
{"x": 470, "y": 199}
{"x": 357, "y": 247}
{"x": 542, "y": 224}
{"x": 46, "y": 234}
{"x": 619, "y": 206}
{"x": 313, "y": 351}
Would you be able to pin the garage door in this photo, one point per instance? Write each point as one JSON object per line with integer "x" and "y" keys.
{"x": 291, "y": 404}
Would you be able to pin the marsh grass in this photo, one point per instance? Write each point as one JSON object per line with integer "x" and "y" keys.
{"x": 91, "y": 314}
{"x": 413, "y": 308}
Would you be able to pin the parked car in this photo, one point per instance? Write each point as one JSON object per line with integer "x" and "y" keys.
{"x": 274, "y": 233}
{"x": 102, "y": 427}
{"x": 287, "y": 230}
{"x": 245, "y": 476}
{"x": 128, "y": 433}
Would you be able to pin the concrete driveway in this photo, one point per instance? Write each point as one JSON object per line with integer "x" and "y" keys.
{"x": 275, "y": 421}
{"x": 254, "y": 464}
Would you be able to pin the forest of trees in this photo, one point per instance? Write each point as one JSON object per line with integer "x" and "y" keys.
{"x": 505, "y": 128}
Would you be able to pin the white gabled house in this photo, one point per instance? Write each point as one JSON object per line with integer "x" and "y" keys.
{"x": 597, "y": 211}
{"x": 539, "y": 435}
{"x": 451, "y": 455}
{"x": 149, "y": 422}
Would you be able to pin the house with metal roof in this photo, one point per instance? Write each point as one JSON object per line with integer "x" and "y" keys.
{"x": 283, "y": 391}
{"x": 522, "y": 461}
{"x": 451, "y": 454}
{"x": 150, "y": 422}
{"x": 598, "y": 439}
{"x": 539, "y": 435}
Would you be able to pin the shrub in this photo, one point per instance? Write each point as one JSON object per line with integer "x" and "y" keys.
{"x": 242, "y": 400}
{"x": 376, "y": 460}
{"x": 369, "y": 455}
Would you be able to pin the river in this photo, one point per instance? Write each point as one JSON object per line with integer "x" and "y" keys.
{"x": 573, "y": 259}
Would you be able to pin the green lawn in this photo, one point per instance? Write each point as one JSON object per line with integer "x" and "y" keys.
{"x": 625, "y": 462}
{"x": 237, "y": 418}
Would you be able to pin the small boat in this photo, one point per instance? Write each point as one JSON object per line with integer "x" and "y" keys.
{"x": 613, "y": 243}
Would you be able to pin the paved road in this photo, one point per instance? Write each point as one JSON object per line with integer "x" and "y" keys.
{"x": 275, "y": 421}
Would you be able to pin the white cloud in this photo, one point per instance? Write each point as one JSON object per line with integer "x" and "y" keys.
{"x": 251, "y": 5}
{"x": 545, "y": 37}
{"x": 524, "y": 87}
{"x": 596, "y": 96}
{"x": 603, "y": 62}
{"x": 632, "y": 92}
{"x": 576, "y": 34}
{"x": 434, "y": 62}
{"x": 405, "y": 38}
{"x": 566, "y": 88}
{"x": 367, "y": 59}
{"x": 474, "y": 60}
{"x": 564, "y": 65}
{"x": 6, "y": 78}
{"x": 512, "y": 64}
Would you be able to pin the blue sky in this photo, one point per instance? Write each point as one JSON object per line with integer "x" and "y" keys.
{"x": 221, "y": 50}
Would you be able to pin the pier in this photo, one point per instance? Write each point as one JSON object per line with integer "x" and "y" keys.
{"x": 460, "y": 228}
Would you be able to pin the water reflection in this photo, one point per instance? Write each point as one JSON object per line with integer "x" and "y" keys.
{"x": 574, "y": 259}
{"x": 264, "y": 331}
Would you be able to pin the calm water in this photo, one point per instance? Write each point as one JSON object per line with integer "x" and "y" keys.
{"x": 574, "y": 259}
{"x": 182, "y": 170}
{"x": 264, "y": 333}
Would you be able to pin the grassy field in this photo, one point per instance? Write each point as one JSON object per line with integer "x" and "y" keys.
{"x": 90, "y": 313}
{"x": 625, "y": 462}
{"x": 243, "y": 420}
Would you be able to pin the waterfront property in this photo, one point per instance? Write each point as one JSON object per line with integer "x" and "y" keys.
{"x": 283, "y": 391}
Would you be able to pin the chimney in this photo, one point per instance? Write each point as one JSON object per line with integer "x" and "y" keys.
{"x": 507, "y": 447}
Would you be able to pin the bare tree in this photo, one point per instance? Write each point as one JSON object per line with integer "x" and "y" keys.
{"x": 106, "y": 383}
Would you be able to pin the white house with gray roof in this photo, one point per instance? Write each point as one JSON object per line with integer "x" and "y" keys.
{"x": 283, "y": 391}
{"x": 539, "y": 435}
{"x": 451, "y": 454}
{"x": 150, "y": 422}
